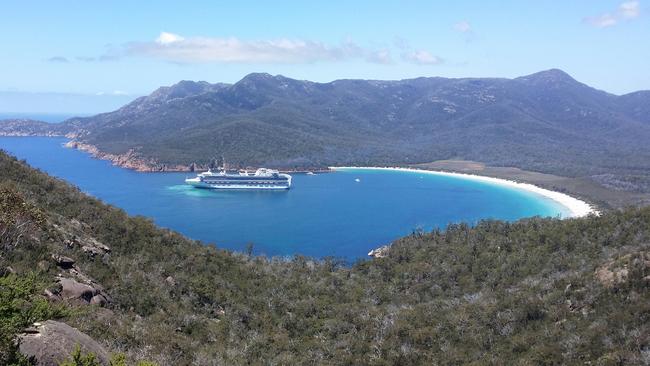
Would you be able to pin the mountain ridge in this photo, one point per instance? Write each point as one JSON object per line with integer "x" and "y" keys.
{"x": 546, "y": 121}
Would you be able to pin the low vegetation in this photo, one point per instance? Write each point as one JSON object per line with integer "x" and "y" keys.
{"x": 21, "y": 304}
{"x": 536, "y": 291}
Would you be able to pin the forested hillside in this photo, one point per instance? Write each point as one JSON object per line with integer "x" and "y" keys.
{"x": 546, "y": 122}
{"x": 537, "y": 291}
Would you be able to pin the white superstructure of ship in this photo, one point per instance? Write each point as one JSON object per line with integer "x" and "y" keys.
{"x": 262, "y": 179}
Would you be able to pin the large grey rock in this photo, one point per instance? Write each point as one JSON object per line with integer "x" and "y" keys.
{"x": 72, "y": 289}
{"x": 63, "y": 261}
{"x": 51, "y": 343}
{"x": 83, "y": 293}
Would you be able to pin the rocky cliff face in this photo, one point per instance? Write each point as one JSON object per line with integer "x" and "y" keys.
{"x": 129, "y": 160}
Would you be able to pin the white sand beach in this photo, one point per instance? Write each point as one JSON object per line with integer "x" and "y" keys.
{"x": 576, "y": 207}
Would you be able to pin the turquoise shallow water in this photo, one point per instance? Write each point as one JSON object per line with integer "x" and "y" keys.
{"x": 329, "y": 214}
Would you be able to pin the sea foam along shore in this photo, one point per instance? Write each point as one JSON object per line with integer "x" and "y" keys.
{"x": 576, "y": 207}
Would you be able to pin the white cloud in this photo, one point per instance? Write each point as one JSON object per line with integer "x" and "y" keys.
{"x": 421, "y": 57}
{"x": 629, "y": 9}
{"x": 625, "y": 11}
{"x": 167, "y": 38}
{"x": 380, "y": 57}
{"x": 175, "y": 48}
{"x": 603, "y": 21}
{"x": 415, "y": 56}
{"x": 463, "y": 26}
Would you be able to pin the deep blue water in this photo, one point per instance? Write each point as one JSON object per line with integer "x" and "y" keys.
{"x": 322, "y": 215}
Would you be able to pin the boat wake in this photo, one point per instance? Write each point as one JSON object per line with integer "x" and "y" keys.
{"x": 187, "y": 190}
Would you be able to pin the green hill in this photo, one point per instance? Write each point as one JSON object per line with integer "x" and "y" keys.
{"x": 537, "y": 291}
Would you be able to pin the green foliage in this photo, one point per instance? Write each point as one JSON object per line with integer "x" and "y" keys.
{"x": 118, "y": 359}
{"x": 17, "y": 217}
{"x": 21, "y": 305}
{"x": 77, "y": 358}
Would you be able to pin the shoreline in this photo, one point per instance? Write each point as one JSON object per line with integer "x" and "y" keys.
{"x": 130, "y": 160}
{"x": 576, "y": 207}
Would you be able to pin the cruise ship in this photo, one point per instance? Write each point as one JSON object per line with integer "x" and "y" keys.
{"x": 262, "y": 179}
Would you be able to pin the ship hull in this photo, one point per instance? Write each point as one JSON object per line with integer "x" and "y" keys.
{"x": 197, "y": 183}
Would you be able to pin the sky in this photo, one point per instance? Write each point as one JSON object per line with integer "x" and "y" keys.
{"x": 88, "y": 57}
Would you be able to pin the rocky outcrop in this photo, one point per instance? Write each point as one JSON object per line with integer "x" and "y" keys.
{"x": 380, "y": 252}
{"x": 82, "y": 293}
{"x": 132, "y": 160}
{"x": 70, "y": 290}
{"x": 129, "y": 159}
{"x": 63, "y": 261}
{"x": 610, "y": 277}
{"x": 616, "y": 272}
{"x": 50, "y": 343}
{"x": 75, "y": 237}
{"x": 74, "y": 286}
{"x": 88, "y": 245}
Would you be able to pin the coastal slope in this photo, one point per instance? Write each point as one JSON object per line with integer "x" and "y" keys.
{"x": 27, "y": 127}
{"x": 528, "y": 292}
